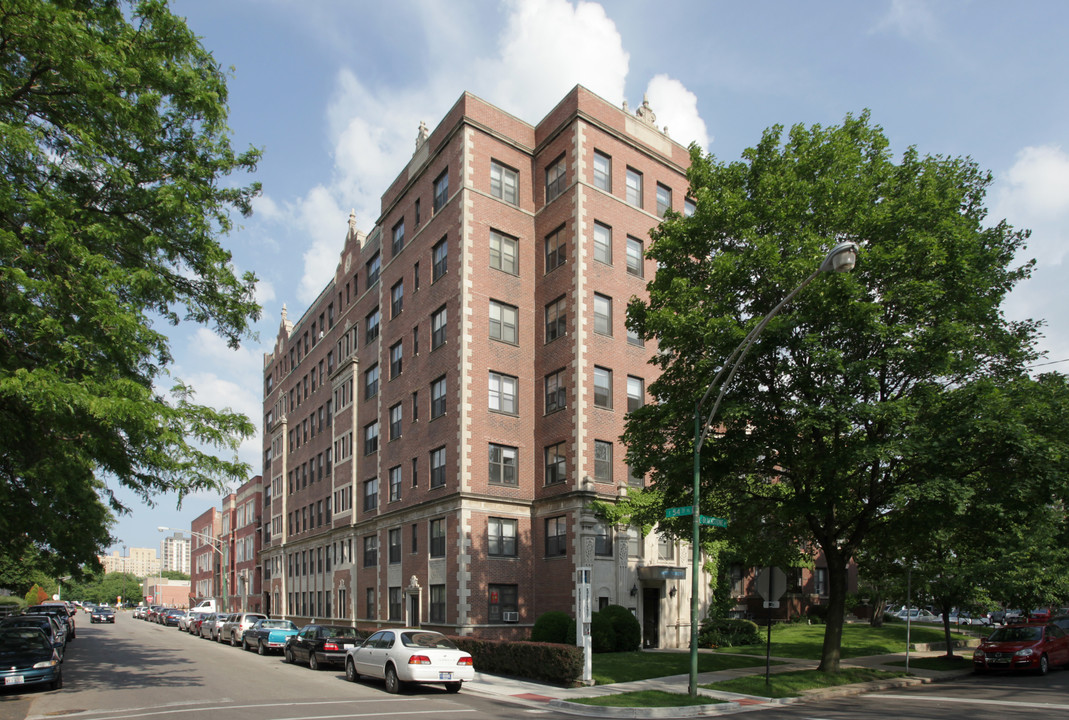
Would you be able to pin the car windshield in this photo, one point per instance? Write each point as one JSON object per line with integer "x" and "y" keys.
{"x": 427, "y": 640}
{"x": 24, "y": 640}
{"x": 1016, "y": 634}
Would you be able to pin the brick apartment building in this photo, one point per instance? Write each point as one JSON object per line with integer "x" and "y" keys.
{"x": 225, "y": 550}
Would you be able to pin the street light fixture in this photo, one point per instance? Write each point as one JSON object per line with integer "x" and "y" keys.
{"x": 211, "y": 541}
{"x": 840, "y": 258}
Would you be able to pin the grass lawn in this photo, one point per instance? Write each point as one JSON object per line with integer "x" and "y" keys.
{"x": 609, "y": 668}
{"x": 647, "y": 698}
{"x": 789, "y": 684}
{"x": 958, "y": 662}
{"x": 805, "y": 641}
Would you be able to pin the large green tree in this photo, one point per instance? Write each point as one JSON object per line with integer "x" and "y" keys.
{"x": 114, "y": 152}
{"x": 817, "y": 440}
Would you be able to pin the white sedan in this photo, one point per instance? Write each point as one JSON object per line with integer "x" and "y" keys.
{"x": 409, "y": 655}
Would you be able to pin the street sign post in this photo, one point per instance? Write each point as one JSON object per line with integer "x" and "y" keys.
{"x": 771, "y": 584}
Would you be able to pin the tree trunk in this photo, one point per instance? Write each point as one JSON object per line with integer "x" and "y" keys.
{"x": 833, "y": 632}
{"x": 946, "y": 630}
{"x": 878, "y": 607}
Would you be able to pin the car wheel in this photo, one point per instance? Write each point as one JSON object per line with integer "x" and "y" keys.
{"x": 57, "y": 683}
{"x": 350, "y": 671}
{"x": 453, "y": 687}
{"x": 393, "y": 683}
{"x": 1044, "y": 665}
{"x": 313, "y": 661}
{"x": 260, "y": 649}
{"x": 289, "y": 656}
{"x": 245, "y": 644}
{"x": 233, "y": 640}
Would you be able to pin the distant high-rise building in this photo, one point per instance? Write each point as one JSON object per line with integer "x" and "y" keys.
{"x": 141, "y": 562}
{"x": 174, "y": 551}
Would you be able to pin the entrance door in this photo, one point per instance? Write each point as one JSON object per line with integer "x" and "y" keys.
{"x": 651, "y": 617}
{"x": 413, "y": 609}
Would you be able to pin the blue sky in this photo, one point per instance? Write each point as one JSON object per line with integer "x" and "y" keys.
{"x": 334, "y": 90}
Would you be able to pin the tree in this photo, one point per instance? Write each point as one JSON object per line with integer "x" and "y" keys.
{"x": 174, "y": 575}
{"x": 113, "y": 148}
{"x": 817, "y": 439}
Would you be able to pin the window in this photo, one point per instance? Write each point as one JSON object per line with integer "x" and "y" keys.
{"x": 636, "y": 393}
{"x": 371, "y": 325}
{"x": 371, "y": 550}
{"x": 437, "y": 541}
{"x": 603, "y": 540}
{"x": 689, "y": 207}
{"x": 502, "y": 599}
{"x": 634, "y": 542}
{"x": 556, "y": 536}
{"x": 415, "y": 276}
{"x": 602, "y": 314}
{"x": 633, "y": 338}
{"x": 602, "y": 171}
{"x": 393, "y": 546}
{"x": 503, "y": 465}
{"x": 501, "y": 537}
{"x": 504, "y": 182}
{"x": 371, "y": 494}
{"x": 820, "y": 581}
{"x": 603, "y": 243}
{"x": 439, "y": 259}
{"x": 556, "y": 466}
{"x": 438, "y": 467}
{"x": 398, "y": 238}
{"x": 503, "y": 393}
{"x": 397, "y": 298}
{"x": 371, "y": 382}
{"x": 438, "y": 320}
{"x": 556, "y": 319}
{"x": 602, "y": 461}
{"x": 415, "y": 340}
{"x": 634, "y": 187}
{"x": 395, "y": 483}
{"x": 441, "y": 190}
{"x": 369, "y": 606}
{"x": 438, "y": 397}
{"x": 666, "y": 549}
{"x": 556, "y": 395}
{"x": 504, "y": 253}
{"x": 396, "y": 360}
{"x": 374, "y": 266}
{"x": 635, "y": 259}
{"x": 371, "y": 438}
{"x": 634, "y": 477}
{"x": 555, "y": 255}
{"x": 437, "y": 604}
{"x": 664, "y": 199}
{"x": 602, "y": 388}
{"x": 503, "y": 322}
{"x": 556, "y": 176}
{"x": 395, "y": 422}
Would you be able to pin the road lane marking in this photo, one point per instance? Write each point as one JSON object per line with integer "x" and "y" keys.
{"x": 972, "y": 701}
{"x": 197, "y": 706}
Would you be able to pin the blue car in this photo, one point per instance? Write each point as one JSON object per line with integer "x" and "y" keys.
{"x": 268, "y": 635}
{"x": 28, "y": 658}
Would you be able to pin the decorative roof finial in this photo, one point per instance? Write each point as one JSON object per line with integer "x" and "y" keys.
{"x": 645, "y": 113}
{"x": 422, "y": 135}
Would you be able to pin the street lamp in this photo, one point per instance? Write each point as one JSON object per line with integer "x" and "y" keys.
{"x": 211, "y": 543}
{"x": 840, "y": 258}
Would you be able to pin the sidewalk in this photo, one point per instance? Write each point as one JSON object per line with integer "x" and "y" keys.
{"x": 533, "y": 694}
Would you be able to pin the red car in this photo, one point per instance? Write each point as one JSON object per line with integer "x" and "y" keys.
{"x": 1023, "y": 647}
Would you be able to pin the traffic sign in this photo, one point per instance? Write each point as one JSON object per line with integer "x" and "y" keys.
{"x": 771, "y": 583}
{"x": 714, "y": 521}
{"x": 679, "y": 511}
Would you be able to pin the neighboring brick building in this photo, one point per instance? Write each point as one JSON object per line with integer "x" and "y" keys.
{"x": 439, "y": 421}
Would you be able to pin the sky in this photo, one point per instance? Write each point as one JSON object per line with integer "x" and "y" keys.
{"x": 333, "y": 91}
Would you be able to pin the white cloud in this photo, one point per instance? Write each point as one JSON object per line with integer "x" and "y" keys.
{"x": 1034, "y": 194}
{"x": 677, "y": 109}
{"x": 265, "y": 292}
{"x": 912, "y": 19}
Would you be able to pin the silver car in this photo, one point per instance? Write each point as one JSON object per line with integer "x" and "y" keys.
{"x": 209, "y": 629}
{"x": 235, "y": 626}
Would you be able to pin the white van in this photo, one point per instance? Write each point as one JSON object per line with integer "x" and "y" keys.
{"x": 204, "y": 606}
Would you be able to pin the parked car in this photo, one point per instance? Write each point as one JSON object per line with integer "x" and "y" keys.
{"x": 171, "y": 617}
{"x": 917, "y": 615}
{"x": 59, "y": 612}
{"x": 320, "y": 645}
{"x": 235, "y": 626}
{"x": 410, "y": 655}
{"x": 27, "y": 657}
{"x": 139, "y": 612}
{"x": 195, "y": 622}
{"x": 102, "y": 615}
{"x": 1061, "y": 621}
{"x": 1039, "y": 615}
{"x": 54, "y": 630}
{"x": 268, "y": 635}
{"x": 1023, "y": 647}
{"x": 185, "y": 621}
{"x": 209, "y": 626}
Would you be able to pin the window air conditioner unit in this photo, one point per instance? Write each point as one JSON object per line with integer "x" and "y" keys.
{"x": 511, "y": 617}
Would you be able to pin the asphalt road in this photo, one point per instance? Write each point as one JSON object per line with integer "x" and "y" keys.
{"x": 135, "y": 670}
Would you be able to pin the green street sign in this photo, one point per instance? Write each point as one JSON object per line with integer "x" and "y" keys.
{"x": 679, "y": 511}
{"x": 715, "y": 522}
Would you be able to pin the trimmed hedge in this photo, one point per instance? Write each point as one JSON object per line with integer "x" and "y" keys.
{"x": 627, "y": 633}
{"x": 550, "y": 662}
{"x": 554, "y": 627}
{"x": 728, "y": 632}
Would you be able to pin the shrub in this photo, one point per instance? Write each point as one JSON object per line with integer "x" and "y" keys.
{"x": 602, "y": 633}
{"x": 728, "y": 632}
{"x": 625, "y": 627}
{"x": 554, "y": 627}
{"x": 817, "y": 614}
{"x": 549, "y": 662}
